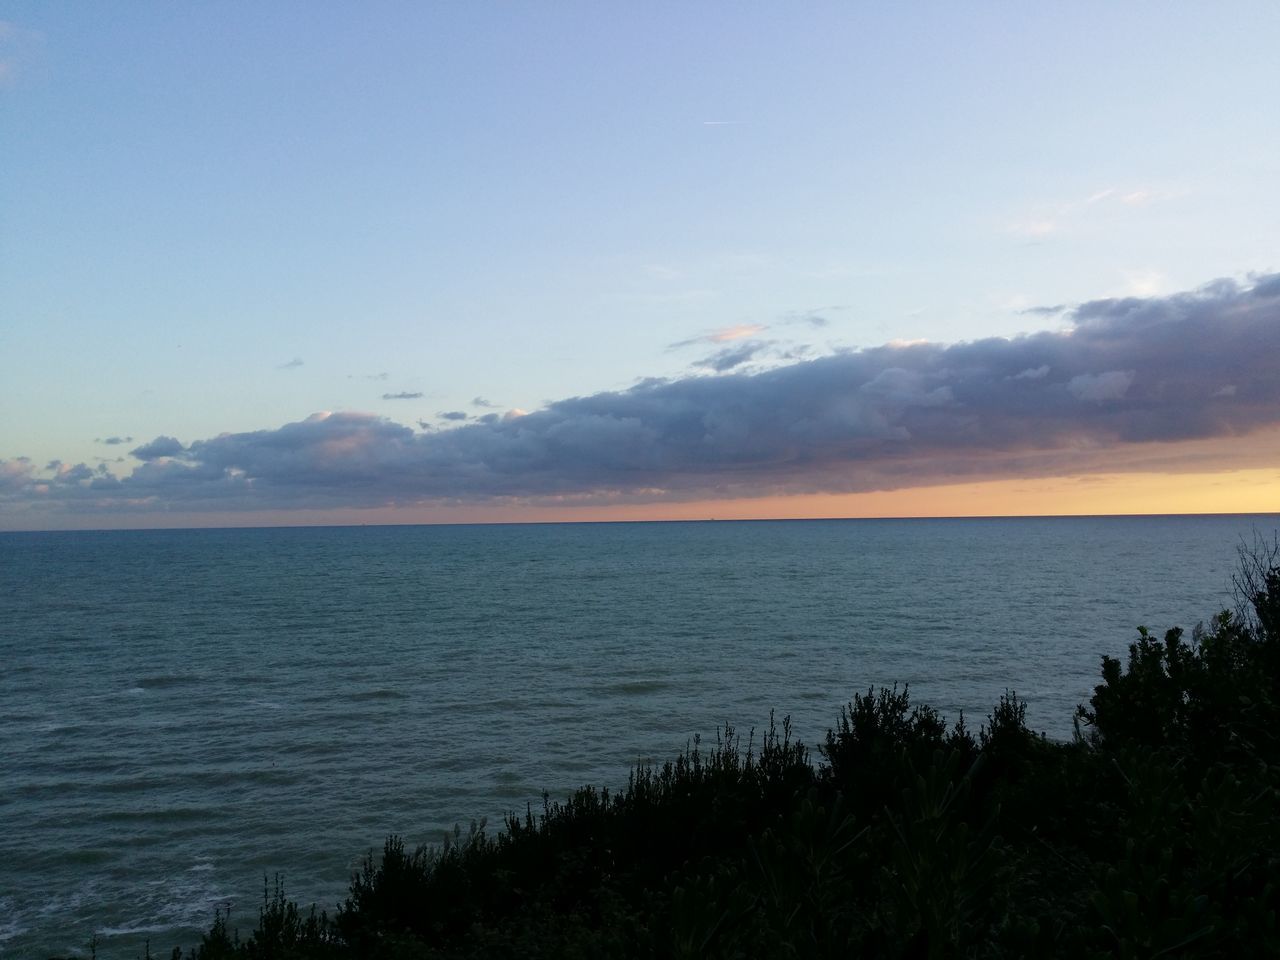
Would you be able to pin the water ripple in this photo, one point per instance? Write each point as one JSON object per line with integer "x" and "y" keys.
{"x": 186, "y": 711}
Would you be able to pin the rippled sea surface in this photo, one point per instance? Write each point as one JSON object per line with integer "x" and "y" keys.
{"x": 185, "y": 712}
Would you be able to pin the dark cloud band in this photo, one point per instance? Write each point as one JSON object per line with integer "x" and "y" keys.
{"x": 1127, "y": 372}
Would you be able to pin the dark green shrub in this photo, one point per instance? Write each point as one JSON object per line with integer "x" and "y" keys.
{"x": 865, "y": 752}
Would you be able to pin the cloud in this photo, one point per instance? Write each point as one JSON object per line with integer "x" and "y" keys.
{"x": 113, "y": 441}
{"x": 745, "y": 349}
{"x": 731, "y": 357}
{"x": 1129, "y": 378}
{"x": 815, "y": 318}
{"x": 16, "y": 475}
{"x": 482, "y": 403}
{"x": 157, "y": 448}
{"x": 454, "y": 415}
{"x": 723, "y": 335}
{"x": 1101, "y": 387}
{"x": 403, "y": 395}
{"x": 1032, "y": 373}
{"x": 1266, "y": 285}
{"x": 291, "y": 365}
{"x": 1048, "y": 219}
{"x": 1135, "y": 197}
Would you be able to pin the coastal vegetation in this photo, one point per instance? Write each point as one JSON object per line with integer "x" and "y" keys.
{"x": 1155, "y": 832}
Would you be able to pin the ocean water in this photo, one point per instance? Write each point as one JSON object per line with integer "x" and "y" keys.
{"x": 185, "y": 712}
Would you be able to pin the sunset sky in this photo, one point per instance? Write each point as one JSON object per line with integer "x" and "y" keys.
{"x": 331, "y": 263}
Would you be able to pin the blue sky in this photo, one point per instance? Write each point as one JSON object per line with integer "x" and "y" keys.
{"x": 228, "y": 218}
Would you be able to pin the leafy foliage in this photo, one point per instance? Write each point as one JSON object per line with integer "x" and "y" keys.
{"x": 1218, "y": 694}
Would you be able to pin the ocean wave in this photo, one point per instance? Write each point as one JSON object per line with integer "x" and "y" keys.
{"x": 382, "y": 694}
{"x": 167, "y": 681}
{"x": 636, "y": 687}
{"x": 82, "y": 856}
{"x": 161, "y": 815}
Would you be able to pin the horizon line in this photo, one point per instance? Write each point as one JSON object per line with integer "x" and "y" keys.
{"x": 670, "y": 520}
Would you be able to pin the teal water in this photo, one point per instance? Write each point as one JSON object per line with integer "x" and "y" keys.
{"x": 186, "y": 711}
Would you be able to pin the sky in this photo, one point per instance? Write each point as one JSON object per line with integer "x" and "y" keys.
{"x": 402, "y": 263}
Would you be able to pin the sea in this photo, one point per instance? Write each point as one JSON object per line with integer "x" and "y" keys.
{"x": 187, "y": 715}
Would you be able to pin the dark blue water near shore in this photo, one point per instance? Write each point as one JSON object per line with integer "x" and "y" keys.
{"x": 184, "y": 711}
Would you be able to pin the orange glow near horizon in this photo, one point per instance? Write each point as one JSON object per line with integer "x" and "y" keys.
{"x": 1237, "y": 491}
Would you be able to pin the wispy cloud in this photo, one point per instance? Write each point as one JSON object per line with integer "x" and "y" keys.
{"x": 290, "y": 365}
{"x": 402, "y": 395}
{"x": 731, "y": 358}
{"x": 113, "y": 441}
{"x": 1047, "y": 219}
{"x": 810, "y": 318}
{"x": 1137, "y": 197}
{"x": 739, "y": 332}
{"x": 1129, "y": 380}
{"x": 724, "y": 335}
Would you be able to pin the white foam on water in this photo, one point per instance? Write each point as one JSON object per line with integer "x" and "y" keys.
{"x": 134, "y": 929}
{"x": 10, "y": 927}
{"x": 67, "y": 903}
